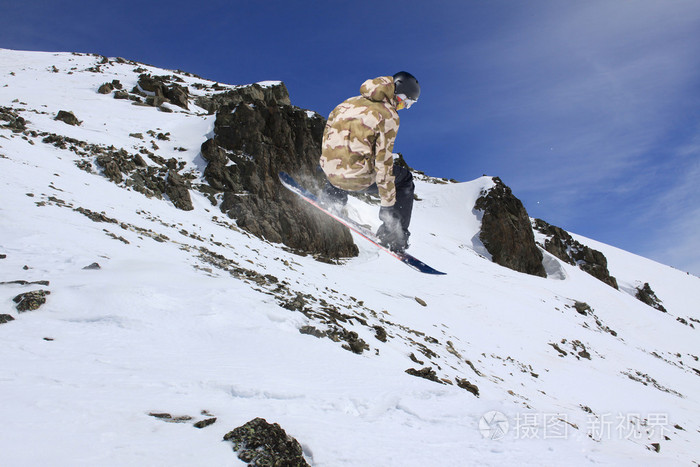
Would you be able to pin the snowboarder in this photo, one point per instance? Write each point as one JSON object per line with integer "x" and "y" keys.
{"x": 357, "y": 153}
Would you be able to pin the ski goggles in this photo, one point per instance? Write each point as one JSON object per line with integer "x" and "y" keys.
{"x": 404, "y": 102}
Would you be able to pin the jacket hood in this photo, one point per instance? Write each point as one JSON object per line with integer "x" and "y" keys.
{"x": 379, "y": 89}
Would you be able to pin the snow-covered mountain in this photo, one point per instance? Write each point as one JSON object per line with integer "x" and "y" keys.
{"x": 364, "y": 362}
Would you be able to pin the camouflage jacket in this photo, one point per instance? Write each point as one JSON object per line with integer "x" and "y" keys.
{"x": 359, "y": 139}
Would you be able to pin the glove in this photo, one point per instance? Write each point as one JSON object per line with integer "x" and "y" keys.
{"x": 390, "y": 233}
{"x": 390, "y": 216}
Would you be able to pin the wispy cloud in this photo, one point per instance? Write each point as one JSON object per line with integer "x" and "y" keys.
{"x": 596, "y": 105}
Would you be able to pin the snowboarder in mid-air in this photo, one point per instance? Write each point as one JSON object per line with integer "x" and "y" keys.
{"x": 357, "y": 153}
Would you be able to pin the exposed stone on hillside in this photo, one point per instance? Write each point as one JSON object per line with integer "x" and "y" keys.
{"x": 30, "y": 301}
{"x": 427, "y": 373}
{"x": 177, "y": 191}
{"x": 646, "y": 295}
{"x": 254, "y": 141}
{"x": 163, "y": 91}
{"x": 506, "y": 231}
{"x": 131, "y": 169}
{"x": 276, "y": 94}
{"x": 67, "y": 117}
{"x": 14, "y": 122}
{"x": 467, "y": 386}
{"x": 564, "y": 247}
{"x": 5, "y": 318}
{"x": 259, "y": 443}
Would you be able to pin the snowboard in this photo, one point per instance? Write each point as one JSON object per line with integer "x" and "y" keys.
{"x": 291, "y": 184}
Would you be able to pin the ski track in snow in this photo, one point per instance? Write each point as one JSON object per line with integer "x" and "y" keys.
{"x": 164, "y": 327}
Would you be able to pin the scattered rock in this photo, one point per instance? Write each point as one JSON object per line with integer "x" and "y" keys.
{"x": 93, "y": 266}
{"x": 415, "y": 359}
{"x": 312, "y": 331}
{"x": 3, "y": 256}
{"x": 562, "y": 353}
{"x": 67, "y": 117}
{"x": 30, "y": 301}
{"x": 506, "y": 231}
{"x": 260, "y": 443}
{"x": 106, "y": 88}
{"x": 166, "y": 417}
{"x": 646, "y": 295}
{"x": 5, "y": 318}
{"x": 22, "y": 282}
{"x": 427, "y": 373}
{"x": 582, "y": 308}
{"x": 205, "y": 423}
{"x": 466, "y": 385}
{"x": 14, "y": 122}
{"x": 178, "y": 95}
{"x": 380, "y": 333}
{"x": 158, "y": 85}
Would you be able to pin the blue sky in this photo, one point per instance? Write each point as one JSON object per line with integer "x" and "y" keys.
{"x": 589, "y": 110}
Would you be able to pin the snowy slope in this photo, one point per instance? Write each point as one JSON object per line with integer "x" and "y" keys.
{"x": 191, "y": 316}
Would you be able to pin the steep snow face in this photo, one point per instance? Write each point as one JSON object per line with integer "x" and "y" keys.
{"x": 189, "y": 315}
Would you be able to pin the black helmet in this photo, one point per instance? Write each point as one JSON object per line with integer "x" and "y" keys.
{"x": 406, "y": 84}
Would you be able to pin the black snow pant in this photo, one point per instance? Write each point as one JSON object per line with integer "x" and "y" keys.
{"x": 403, "y": 180}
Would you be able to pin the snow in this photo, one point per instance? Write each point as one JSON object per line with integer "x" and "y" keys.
{"x": 160, "y": 329}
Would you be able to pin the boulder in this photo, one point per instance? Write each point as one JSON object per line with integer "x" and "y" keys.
{"x": 177, "y": 95}
{"x": 106, "y": 88}
{"x": 506, "y": 231}
{"x": 30, "y": 301}
{"x": 254, "y": 140}
{"x": 259, "y": 443}
{"x": 14, "y": 122}
{"x": 163, "y": 92}
{"x": 67, "y": 117}
{"x": 178, "y": 192}
{"x": 5, "y": 318}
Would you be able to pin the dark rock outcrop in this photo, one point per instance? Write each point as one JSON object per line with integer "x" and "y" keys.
{"x": 30, "y": 301}
{"x": 260, "y": 443}
{"x": 646, "y": 295}
{"x": 67, "y": 117}
{"x": 506, "y": 231}
{"x": 178, "y": 192}
{"x": 271, "y": 95}
{"x": 427, "y": 373}
{"x": 255, "y": 140}
{"x": 564, "y": 247}
{"x": 14, "y": 122}
{"x": 164, "y": 91}
{"x": 5, "y": 318}
{"x": 467, "y": 386}
{"x": 106, "y": 88}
